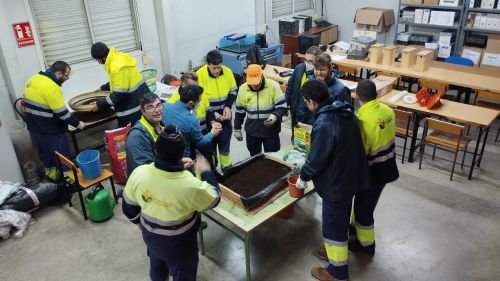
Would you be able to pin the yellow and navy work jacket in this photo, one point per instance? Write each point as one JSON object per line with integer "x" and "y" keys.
{"x": 165, "y": 198}
{"x": 126, "y": 85}
{"x": 46, "y": 111}
{"x": 257, "y": 106}
{"x": 220, "y": 91}
{"x": 201, "y": 111}
{"x": 378, "y": 130}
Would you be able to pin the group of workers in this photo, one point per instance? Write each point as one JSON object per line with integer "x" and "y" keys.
{"x": 352, "y": 155}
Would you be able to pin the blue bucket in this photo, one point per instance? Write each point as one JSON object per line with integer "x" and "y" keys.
{"x": 89, "y": 163}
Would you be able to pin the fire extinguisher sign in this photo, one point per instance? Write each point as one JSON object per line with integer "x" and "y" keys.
{"x": 24, "y": 34}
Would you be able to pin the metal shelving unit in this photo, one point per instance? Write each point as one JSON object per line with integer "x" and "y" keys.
{"x": 457, "y": 26}
{"x": 468, "y": 29}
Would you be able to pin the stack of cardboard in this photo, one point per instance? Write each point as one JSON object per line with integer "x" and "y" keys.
{"x": 491, "y": 55}
{"x": 374, "y": 22}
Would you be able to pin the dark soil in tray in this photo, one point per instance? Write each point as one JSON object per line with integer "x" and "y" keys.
{"x": 255, "y": 176}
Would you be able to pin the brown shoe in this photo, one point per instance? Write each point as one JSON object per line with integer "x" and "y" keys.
{"x": 320, "y": 253}
{"x": 322, "y": 274}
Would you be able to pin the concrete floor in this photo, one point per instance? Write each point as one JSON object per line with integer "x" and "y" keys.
{"x": 427, "y": 228}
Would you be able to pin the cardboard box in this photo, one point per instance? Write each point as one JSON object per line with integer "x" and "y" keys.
{"x": 431, "y": 2}
{"x": 449, "y": 3}
{"x": 374, "y": 19}
{"x": 491, "y": 59}
{"x": 384, "y": 84}
{"x": 493, "y": 44}
{"x": 426, "y": 15}
{"x": 413, "y": 1}
{"x": 419, "y": 13}
{"x": 444, "y": 51}
{"x": 472, "y": 53}
{"x": 487, "y": 4}
{"x": 302, "y": 137}
{"x": 445, "y": 38}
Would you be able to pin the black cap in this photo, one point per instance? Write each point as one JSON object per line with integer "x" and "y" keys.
{"x": 170, "y": 145}
{"x": 99, "y": 50}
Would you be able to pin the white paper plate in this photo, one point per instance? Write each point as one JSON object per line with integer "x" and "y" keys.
{"x": 409, "y": 99}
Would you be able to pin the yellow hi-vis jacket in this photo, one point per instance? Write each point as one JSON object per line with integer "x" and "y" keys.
{"x": 378, "y": 130}
{"x": 220, "y": 91}
{"x": 125, "y": 83}
{"x": 201, "y": 111}
{"x": 166, "y": 203}
{"x": 46, "y": 111}
{"x": 257, "y": 106}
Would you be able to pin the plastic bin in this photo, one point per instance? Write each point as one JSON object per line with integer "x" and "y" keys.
{"x": 90, "y": 163}
{"x": 149, "y": 76}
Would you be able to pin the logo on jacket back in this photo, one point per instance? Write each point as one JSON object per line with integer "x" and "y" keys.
{"x": 381, "y": 123}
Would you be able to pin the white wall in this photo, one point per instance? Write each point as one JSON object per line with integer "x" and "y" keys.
{"x": 195, "y": 27}
{"x": 342, "y": 13}
{"x": 86, "y": 76}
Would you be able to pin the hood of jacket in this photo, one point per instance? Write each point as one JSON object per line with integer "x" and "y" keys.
{"x": 115, "y": 61}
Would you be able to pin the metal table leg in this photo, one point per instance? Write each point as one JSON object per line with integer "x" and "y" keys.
{"x": 475, "y": 152}
{"x": 245, "y": 239}
{"x": 201, "y": 241}
{"x": 416, "y": 124}
{"x": 482, "y": 149}
{"x": 247, "y": 256}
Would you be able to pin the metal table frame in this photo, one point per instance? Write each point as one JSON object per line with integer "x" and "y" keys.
{"x": 88, "y": 125}
{"x": 246, "y": 221}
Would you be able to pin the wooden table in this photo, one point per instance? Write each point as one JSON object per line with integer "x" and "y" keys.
{"x": 454, "y": 111}
{"x": 474, "y": 78}
{"x": 246, "y": 222}
{"x": 91, "y": 121}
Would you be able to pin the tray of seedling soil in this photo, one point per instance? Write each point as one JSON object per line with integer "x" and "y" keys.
{"x": 251, "y": 183}
{"x": 81, "y": 106}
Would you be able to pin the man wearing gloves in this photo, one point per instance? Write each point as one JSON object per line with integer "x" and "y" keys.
{"x": 164, "y": 199}
{"x": 337, "y": 165}
{"x": 263, "y": 103}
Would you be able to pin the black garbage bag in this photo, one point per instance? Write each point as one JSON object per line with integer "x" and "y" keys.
{"x": 36, "y": 196}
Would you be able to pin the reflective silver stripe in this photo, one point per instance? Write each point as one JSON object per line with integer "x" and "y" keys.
{"x": 260, "y": 107}
{"x": 279, "y": 99}
{"x": 217, "y": 107}
{"x": 128, "y": 90}
{"x": 168, "y": 223}
{"x": 203, "y": 127}
{"x": 217, "y": 99}
{"x": 39, "y": 113}
{"x": 240, "y": 111}
{"x": 136, "y": 217}
{"x": 382, "y": 148}
{"x": 258, "y": 116}
{"x": 128, "y": 201}
{"x": 335, "y": 263}
{"x": 109, "y": 101}
{"x": 128, "y": 112}
{"x": 232, "y": 91}
{"x": 363, "y": 227}
{"x": 366, "y": 244}
{"x": 65, "y": 116}
{"x": 382, "y": 158}
{"x": 59, "y": 110}
{"x": 44, "y": 106}
{"x": 283, "y": 105}
{"x": 335, "y": 243}
{"x": 167, "y": 232}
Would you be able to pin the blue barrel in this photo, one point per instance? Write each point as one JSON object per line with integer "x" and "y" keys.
{"x": 90, "y": 163}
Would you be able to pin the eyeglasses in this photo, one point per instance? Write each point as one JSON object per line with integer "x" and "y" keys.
{"x": 152, "y": 107}
{"x": 65, "y": 75}
{"x": 306, "y": 101}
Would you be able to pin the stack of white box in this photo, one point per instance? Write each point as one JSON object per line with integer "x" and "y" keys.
{"x": 446, "y": 42}
{"x": 487, "y": 21}
{"x": 446, "y": 18}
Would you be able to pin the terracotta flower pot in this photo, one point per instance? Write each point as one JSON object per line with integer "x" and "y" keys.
{"x": 287, "y": 212}
{"x": 292, "y": 187}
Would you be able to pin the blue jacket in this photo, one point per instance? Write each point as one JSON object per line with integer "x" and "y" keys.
{"x": 337, "y": 162}
{"x": 140, "y": 147}
{"x": 338, "y": 91}
{"x": 298, "y": 111}
{"x": 181, "y": 116}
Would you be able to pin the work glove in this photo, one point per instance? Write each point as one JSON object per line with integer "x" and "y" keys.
{"x": 269, "y": 122}
{"x": 238, "y": 135}
{"x": 301, "y": 184}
